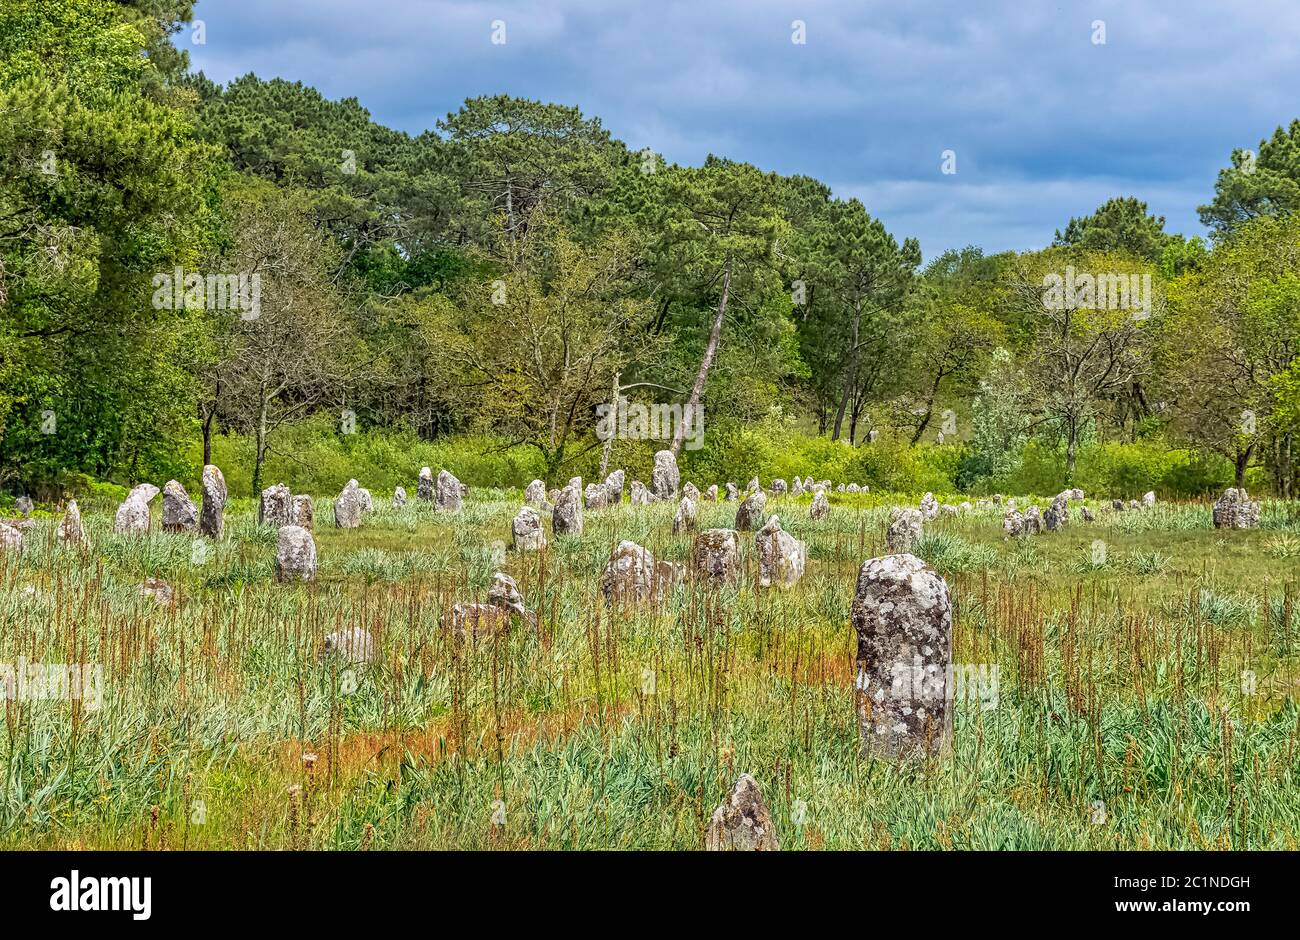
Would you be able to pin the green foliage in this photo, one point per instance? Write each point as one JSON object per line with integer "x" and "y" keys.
{"x": 314, "y": 457}
{"x": 111, "y": 187}
{"x": 1119, "y": 225}
{"x": 1257, "y": 185}
{"x": 1113, "y": 469}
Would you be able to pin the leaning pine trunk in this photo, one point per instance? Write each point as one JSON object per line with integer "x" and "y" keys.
{"x": 702, "y": 376}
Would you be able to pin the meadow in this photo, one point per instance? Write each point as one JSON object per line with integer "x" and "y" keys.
{"x": 1148, "y": 691}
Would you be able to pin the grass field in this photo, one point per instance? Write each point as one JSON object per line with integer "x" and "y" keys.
{"x": 1146, "y": 699}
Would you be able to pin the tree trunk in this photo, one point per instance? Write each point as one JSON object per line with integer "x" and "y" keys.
{"x": 259, "y": 456}
{"x": 207, "y": 436}
{"x": 1241, "y": 462}
{"x": 1071, "y": 449}
{"x": 208, "y": 415}
{"x": 702, "y": 376}
{"x": 852, "y": 378}
{"x": 929, "y": 411}
{"x": 612, "y": 428}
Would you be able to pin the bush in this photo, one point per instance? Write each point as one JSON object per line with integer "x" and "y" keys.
{"x": 1114, "y": 469}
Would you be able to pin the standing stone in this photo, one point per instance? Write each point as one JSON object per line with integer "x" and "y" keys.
{"x": 929, "y": 506}
{"x": 301, "y": 513}
{"x": 11, "y": 538}
{"x": 641, "y": 496}
{"x": 295, "y": 554}
{"x": 347, "y": 507}
{"x": 162, "y": 593}
{"x": 566, "y": 519}
{"x": 633, "y": 576}
{"x": 782, "y": 558}
{"x": 753, "y": 486}
{"x": 732, "y": 493}
{"x": 715, "y": 556}
{"x": 1033, "y": 521}
{"x": 905, "y": 526}
{"x": 399, "y": 497}
{"x": 597, "y": 496}
{"x": 179, "y": 512}
{"x": 749, "y": 516}
{"x": 852, "y": 488}
{"x": 796, "y": 488}
{"x": 143, "y": 491}
{"x": 212, "y": 515}
{"x": 1134, "y": 505}
{"x": 70, "y": 530}
{"x": 1013, "y": 524}
{"x": 779, "y": 487}
{"x": 449, "y": 492}
{"x": 742, "y": 823}
{"x": 1087, "y": 515}
{"x": 614, "y": 483}
{"x": 504, "y": 593}
{"x": 1058, "y": 514}
{"x": 1148, "y": 499}
{"x": 132, "y": 517}
{"x": 690, "y": 491}
{"x": 665, "y": 478}
{"x": 535, "y": 493}
{"x": 367, "y": 504}
{"x": 527, "y": 531}
{"x": 711, "y": 494}
{"x": 1235, "y": 510}
{"x": 820, "y": 508}
{"x": 276, "y": 506}
{"x": 424, "y": 488}
{"x": 352, "y": 645}
{"x": 23, "y": 504}
{"x": 685, "y": 519}
{"x": 839, "y": 488}
{"x": 1117, "y": 505}
{"x": 902, "y": 615}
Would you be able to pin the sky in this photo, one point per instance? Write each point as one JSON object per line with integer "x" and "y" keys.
{"x": 1043, "y": 119}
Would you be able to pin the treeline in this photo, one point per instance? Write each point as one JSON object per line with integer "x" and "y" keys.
{"x": 181, "y": 261}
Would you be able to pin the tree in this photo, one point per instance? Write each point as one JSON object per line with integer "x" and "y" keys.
{"x": 1088, "y": 350}
{"x": 101, "y": 185}
{"x": 1233, "y": 336}
{"x": 1120, "y": 225}
{"x": 715, "y": 230}
{"x": 513, "y": 157}
{"x": 867, "y": 275}
{"x": 298, "y": 353}
{"x": 1257, "y": 185}
{"x": 950, "y": 332}
{"x": 531, "y": 354}
{"x": 387, "y": 198}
